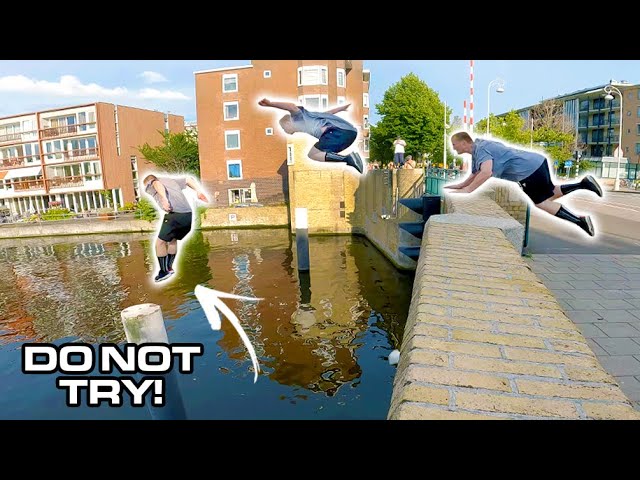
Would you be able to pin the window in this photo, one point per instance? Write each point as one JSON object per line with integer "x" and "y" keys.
{"x": 629, "y": 113}
{"x": 312, "y": 75}
{"x": 637, "y": 129}
{"x": 239, "y": 195}
{"x": 232, "y": 140}
{"x": 365, "y": 122}
{"x": 266, "y": 74}
{"x": 342, "y": 100}
{"x": 638, "y": 148}
{"x": 268, "y": 131}
{"x": 639, "y": 94}
{"x": 290, "y": 160}
{"x": 230, "y": 82}
{"x": 365, "y": 100}
{"x": 234, "y": 169}
{"x": 598, "y": 103}
{"x": 342, "y": 77}
{"x": 365, "y": 145}
{"x": 315, "y": 102}
{"x": 231, "y": 111}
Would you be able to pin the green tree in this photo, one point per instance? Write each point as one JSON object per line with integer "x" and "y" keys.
{"x": 413, "y": 111}
{"x": 549, "y": 129}
{"x": 177, "y": 154}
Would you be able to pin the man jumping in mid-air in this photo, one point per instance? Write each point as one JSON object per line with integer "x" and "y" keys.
{"x": 334, "y": 134}
{"x": 531, "y": 170}
{"x": 176, "y": 224}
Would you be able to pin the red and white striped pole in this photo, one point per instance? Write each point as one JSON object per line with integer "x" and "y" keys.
{"x": 464, "y": 118}
{"x": 471, "y": 97}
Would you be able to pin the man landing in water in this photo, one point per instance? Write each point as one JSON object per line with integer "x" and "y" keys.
{"x": 176, "y": 224}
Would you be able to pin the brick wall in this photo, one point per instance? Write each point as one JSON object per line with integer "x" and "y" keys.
{"x": 485, "y": 339}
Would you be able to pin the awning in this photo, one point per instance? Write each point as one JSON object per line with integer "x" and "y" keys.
{"x": 2, "y": 174}
{"x": 23, "y": 172}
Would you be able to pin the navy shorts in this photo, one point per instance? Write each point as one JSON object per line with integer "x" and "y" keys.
{"x": 175, "y": 226}
{"x": 538, "y": 186}
{"x": 335, "y": 140}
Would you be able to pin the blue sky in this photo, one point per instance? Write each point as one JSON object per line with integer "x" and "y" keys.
{"x": 168, "y": 85}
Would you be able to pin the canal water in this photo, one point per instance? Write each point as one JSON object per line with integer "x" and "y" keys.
{"x": 322, "y": 339}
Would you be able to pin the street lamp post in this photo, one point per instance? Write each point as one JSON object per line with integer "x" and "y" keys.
{"x": 500, "y": 89}
{"x": 444, "y": 155}
{"x": 608, "y": 89}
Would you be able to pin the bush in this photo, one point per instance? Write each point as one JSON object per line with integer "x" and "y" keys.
{"x": 55, "y": 214}
{"x": 129, "y": 206}
{"x": 145, "y": 210}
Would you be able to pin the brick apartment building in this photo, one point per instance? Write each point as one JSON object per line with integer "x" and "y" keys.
{"x": 243, "y": 150}
{"x": 597, "y": 122}
{"x": 69, "y": 156}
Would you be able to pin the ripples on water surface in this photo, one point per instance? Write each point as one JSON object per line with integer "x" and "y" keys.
{"x": 322, "y": 339}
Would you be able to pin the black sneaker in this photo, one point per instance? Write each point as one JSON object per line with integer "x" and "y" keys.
{"x": 162, "y": 276}
{"x": 590, "y": 183}
{"x": 587, "y": 226}
{"x": 354, "y": 160}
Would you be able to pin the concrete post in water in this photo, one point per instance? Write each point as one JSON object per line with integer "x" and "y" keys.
{"x": 302, "y": 239}
{"x": 144, "y": 324}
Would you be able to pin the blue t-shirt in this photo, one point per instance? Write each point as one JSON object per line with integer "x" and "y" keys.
{"x": 508, "y": 163}
{"x": 312, "y": 122}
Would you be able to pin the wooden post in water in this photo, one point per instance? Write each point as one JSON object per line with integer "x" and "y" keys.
{"x": 144, "y": 324}
{"x": 302, "y": 239}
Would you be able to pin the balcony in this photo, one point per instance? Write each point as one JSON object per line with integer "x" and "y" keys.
{"x": 65, "y": 182}
{"x": 28, "y": 185}
{"x": 18, "y": 137}
{"x": 67, "y": 130}
{"x": 69, "y": 156}
{"x": 17, "y": 162}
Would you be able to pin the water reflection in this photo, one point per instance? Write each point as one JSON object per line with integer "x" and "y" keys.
{"x": 308, "y": 332}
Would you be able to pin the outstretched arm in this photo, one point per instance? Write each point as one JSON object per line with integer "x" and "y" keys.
{"x": 341, "y": 108}
{"x": 484, "y": 174}
{"x": 290, "y": 107}
{"x": 467, "y": 181}
{"x": 194, "y": 185}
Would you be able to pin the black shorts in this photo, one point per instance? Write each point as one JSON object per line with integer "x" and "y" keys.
{"x": 335, "y": 140}
{"x": 175, "y": 226}
{"x": 538, "y": 186}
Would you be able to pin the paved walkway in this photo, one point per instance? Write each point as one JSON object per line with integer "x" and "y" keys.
{"x": 601, "y": 294}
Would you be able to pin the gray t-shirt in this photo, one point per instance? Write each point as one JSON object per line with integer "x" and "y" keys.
{"x": 508, "y": 163}
{"x": 312, "y": 122}
{"x": 173, "y": 187}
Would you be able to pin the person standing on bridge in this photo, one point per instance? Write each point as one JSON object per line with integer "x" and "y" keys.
{"x": 530, "y": 170}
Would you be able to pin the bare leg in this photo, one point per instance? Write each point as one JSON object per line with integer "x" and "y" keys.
{"x": 171, "y": 256}
{"x": 172, "y": 248}
{"x": 317, "y": 155}
{"x": 560, "y": 211}
{"x": 161, "y": 248}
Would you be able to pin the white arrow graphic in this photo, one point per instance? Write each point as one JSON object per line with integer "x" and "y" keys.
{"x": 211, "y": 302}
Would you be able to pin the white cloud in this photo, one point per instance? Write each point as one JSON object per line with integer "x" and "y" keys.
{"x": 71, "y": 86}
{"x": 153, "y": 77}
{"x": 152, "y": 93}
{"x": 67, "y": 86}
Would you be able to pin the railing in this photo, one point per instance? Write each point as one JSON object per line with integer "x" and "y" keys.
{"x": 80, "y": 154}
{"x": 77, "y": 155}
{"x": 66, "y": 130}
{"x": 16, "y": 162}
{"x": 16, "y": 137}
{"x": 436, "y": 178}
{"x": 21, "y": 185}
{"x": 65, "y": 182}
